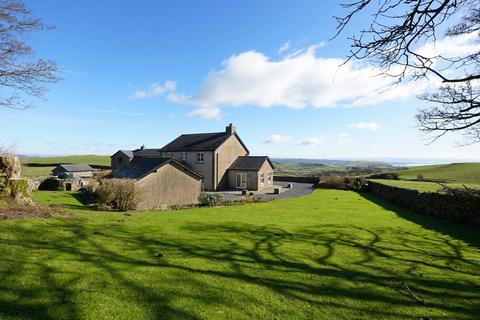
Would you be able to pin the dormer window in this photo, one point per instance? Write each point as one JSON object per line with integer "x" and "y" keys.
{"x": 184, "y": 156}
{"x": 200, "y": 157}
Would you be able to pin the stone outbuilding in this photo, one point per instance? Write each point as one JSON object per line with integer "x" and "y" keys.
{"x": 163, "y": 181}
{"x": 75, "y": 170}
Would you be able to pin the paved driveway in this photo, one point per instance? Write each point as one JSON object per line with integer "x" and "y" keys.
{"x": 298, "y": 190}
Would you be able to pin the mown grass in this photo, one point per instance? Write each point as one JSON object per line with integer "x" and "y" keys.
{"x": 46, "y": 168}
{"x": 424, "y": 186}
{"x": 454, "y": 172}
{"x": 329, "y": 255}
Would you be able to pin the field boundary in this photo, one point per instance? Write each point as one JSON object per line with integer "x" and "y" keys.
{"x": 460, "y": 209}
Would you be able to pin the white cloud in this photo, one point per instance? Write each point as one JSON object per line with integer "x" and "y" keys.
{"x": 312, "y": 140}
{"x": 284, "y": 47}
{"x": 276, "y": 138}
{"x": 205, "y": 113}
{"x": 155, "y": 89}
{"x": 451, "y": 47}
{"x": 251, "y": 78}
{"x": 304, "y": 79}
{"x": 373, "y": 126}
{"x": 343, "y": 138}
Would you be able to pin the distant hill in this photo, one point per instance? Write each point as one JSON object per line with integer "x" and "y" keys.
{"x": 321, "y": 167}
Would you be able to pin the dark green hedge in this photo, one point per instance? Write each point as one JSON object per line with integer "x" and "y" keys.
{"x": 464, "y": 209}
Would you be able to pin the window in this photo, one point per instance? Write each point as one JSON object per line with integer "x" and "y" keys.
{"x": 270, "y": 176}
{"x": 120, "y": 160}
{"x": 184, "y": 156}
{"x": 262, "y": 178}
{"x": 169, "y": 155}
{"x": 200, "y": 157}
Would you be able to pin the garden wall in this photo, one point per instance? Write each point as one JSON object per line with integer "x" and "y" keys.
{"x": 462, "y": 209}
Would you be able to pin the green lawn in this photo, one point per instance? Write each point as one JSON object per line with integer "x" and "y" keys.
{"x": 330, "y": 255}
{"x": 45, "y": 170}
{"x": 423, "y": 186}
{"x": 454, "y": 172}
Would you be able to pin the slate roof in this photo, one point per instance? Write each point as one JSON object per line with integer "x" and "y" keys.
{"x": 250, "y": 163}
{"x": 140, "y": 167}
{"x": 199, "y": 142}
{"x": 76, "y": 167}
{"x": 129, "y": 153}
{"x": 147, "y": 153}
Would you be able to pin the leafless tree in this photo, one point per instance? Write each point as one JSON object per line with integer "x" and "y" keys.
{"x": 393, "y": 40}
{"x": 20, "y": 73}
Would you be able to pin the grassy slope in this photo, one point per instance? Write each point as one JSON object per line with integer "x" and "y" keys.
{"x": 41, "y": 171}
{"x": 455, "y": 172}
{"x": 423, "y": 186}
{"x": 330, "y": 255}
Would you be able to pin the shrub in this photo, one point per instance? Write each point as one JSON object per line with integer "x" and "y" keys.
{"x": 420, "y": 177}
{"x": 386, "y": 176}
{"x": 119, "y": 194}
{"x": 209, "y": 199}
{"x": 335, "y": 181}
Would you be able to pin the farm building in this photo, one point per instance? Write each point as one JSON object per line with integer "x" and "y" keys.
{"x": 163, "y": 181}
{"x": 221, "y": 158}
{"x": 75, "y": 170}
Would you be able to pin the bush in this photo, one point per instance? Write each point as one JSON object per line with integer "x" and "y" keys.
{"x": 420, "y": 177}
{"x": 335, "y": 181}
{"x": 209, "y": 199}
{"x": 386, "y": 176}
{"x": 118, "y": 194}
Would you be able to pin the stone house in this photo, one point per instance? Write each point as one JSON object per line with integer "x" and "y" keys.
{"x": 221, "y": 158}
{"x": 164, "y": 182}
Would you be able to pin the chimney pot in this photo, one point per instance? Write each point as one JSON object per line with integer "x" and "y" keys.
{"x": 230, "y": 129}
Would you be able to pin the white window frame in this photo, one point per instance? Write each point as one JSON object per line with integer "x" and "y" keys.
{"x": 200, "y": 157}
{"x": 262, "y": 177}
{"x": 269, "y": 176}
{"x": 241, "y": 180}
{"x": 184, "y": 156}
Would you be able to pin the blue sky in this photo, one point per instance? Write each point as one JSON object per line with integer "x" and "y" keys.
{"x": 145, "y": 72}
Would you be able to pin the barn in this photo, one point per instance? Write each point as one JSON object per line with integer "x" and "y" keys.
{"x": 75, "y": 170}
{"x": 163, "y": 181}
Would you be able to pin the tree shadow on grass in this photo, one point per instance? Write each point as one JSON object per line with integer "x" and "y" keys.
{"x": 467, "y": 234}
{"x": 318, "y": 271}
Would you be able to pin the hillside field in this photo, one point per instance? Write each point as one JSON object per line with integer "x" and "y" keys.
{"x": 330, "y": 255}
{"x": 42, "y": 166}
{"x": 424, "y": 186}
{"x": 454, "y": 172}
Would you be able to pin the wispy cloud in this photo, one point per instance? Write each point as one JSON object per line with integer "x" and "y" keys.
{"x": 312, "y": 140}
{"x": 284, "y": 47}
{"x": 155, "y": 89}
{"x": 205, "y": 113}
{"x": 276, "y": 138}
{"x": 343, "y": 138}
{"x": 372, "y": 126}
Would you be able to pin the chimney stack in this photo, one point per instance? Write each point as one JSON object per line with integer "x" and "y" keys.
{"x": 230, "y": 129}
{"x": 142, "y": 147}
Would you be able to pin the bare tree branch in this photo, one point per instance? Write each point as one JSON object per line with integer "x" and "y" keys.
{"x": 20, "y": 73}
{"x": 393, "y": 40}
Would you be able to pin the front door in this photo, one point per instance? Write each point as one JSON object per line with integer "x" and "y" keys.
{"x": 241, "y": 180}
